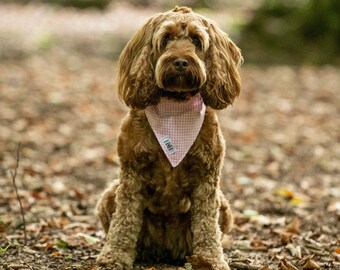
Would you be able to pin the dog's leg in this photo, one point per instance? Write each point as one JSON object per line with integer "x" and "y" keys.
{"x": 106, "y": 205}
{"x": 207, "y": 247}
{"x": 226, "y": 219}
{"x": 119, "y": 252}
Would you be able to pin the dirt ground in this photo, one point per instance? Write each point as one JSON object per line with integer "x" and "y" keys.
{"x": 58, "y": 99}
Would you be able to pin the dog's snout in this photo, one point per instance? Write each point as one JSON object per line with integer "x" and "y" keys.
{"x": 180, "y": 64}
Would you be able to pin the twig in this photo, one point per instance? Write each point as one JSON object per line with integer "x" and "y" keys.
{"x": 14, "y": 175}
{"x": 244, "y": 266}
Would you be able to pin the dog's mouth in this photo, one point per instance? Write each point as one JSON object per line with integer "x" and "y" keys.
{"x": 180, "y": 82}
{"x": 180, "y": 87}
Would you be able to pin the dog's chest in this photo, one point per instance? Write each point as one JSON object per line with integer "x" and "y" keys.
{"x": 168, "y": 192}
{"x": 165, "y": 189}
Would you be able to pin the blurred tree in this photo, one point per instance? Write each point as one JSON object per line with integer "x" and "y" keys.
{"x": 165, "y": 4}
{"x": 293, "y": 31}
{"x": 81, "y": 4}
{"x": 102, "y": 4}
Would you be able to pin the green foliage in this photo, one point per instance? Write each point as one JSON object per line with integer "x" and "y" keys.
{"x": 293, "y": 31}
{"x": 188, "y": 266}
{"x": 102, "y": 4}
{"x": 81, "y": 4}
{"x": 61, "y": 243}
{"x": 4, "y": 249}
{"x": 45, "y": 41}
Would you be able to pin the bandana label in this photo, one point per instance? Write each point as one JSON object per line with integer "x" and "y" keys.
{"x": 168, "y": 145}
{"x": 176, "y": 125}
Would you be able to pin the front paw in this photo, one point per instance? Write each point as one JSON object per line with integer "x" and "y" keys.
{"x": 205, "y": 263}
{"x": 114, "y": 259}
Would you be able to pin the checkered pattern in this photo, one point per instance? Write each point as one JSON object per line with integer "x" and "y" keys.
{"x": 176, "y": 125}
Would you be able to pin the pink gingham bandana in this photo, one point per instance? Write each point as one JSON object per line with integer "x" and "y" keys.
{"x": 176, "y": 125}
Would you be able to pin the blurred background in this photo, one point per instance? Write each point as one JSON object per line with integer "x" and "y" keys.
{"x": 58, "y": 66}
{"x": 268, "y": 31}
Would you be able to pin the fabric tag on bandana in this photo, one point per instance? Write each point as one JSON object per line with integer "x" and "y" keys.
{"x": 170, "y": 148}
{"x": 176, "y": 125}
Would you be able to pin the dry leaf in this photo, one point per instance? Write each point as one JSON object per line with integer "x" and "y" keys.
{"x": 250, "y": 213}
{"x": 259, "y": 245}
{"x": 295, "y": 251}
{"x": 294, "y": 226}
{"x": 199, "y": 263}
{"x": 227, "y": 241}
{"x": 285, "y": 236}
{"x": 56, "y": 254}
{"x": 310, "y": 265}
{"x": 3, "y": 227}
{"x": 285, "y": 265}
{"x": 286, "y": 193}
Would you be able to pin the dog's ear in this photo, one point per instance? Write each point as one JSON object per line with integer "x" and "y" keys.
{"x": 222, "y": 61}
{"x": 136, "y": 82}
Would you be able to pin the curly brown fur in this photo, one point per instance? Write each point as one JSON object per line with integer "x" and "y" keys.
{"x": 156, "y": 212}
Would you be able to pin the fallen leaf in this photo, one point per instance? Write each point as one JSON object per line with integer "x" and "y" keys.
{"x": 61, "y": 243}
{"x": 188, "y": 266}
{"x": 88, "y": 238}
{"x": 260, "y": 220}
{"x": 296, "y": 200}
{"x": 334, "y": 207}
{"x": 286, "y": 193}
{"x": 199, "y": 263}
{"x": 17, "y": 266}
{"x": 295, "y": 251}
{"x": 244, "y": 181}
{"x": 3, "y": 227}
{"x": 227, "y": 241}
{"x": 3, "y": 250}
{"x": 286, "y": 237}
{"x": 250, "y": 213}
{"x": 294, "y": 226}
{"x": 111, "y": 158}
{"x": 310, "y": 265}
{"x": 259, "y": 245}
{"x": 56, "y": 254}
{"x": 285, "y": 265}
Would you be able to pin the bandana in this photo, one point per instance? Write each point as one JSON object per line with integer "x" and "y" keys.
{"x": 176, "y": 125}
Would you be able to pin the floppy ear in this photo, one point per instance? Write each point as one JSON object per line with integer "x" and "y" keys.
{"x": 223, "y": 59}
{"x": 136, "y": 82}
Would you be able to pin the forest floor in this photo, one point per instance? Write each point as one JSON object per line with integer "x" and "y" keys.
{"x": 58, "y": 100}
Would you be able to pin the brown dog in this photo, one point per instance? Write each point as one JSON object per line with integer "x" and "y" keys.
{"x": 163, "y": 208}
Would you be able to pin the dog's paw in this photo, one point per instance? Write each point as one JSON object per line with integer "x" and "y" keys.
{"x": 205, "y": 263}
{"x": 113, "y": 259}
{"x": 107, "y": 267}
{"x": 221, "y": 266}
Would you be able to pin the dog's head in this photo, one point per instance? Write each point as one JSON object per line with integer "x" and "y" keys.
{"x": 177, "y": 54}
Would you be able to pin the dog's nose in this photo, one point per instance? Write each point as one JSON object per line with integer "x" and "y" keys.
{"x": 180, "y": 64}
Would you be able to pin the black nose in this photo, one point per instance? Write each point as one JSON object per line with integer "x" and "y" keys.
{"x": 180, "y": 64}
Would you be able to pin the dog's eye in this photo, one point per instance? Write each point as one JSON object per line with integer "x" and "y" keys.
{"x": 196, "y": 41}
{"x": 165, "y": 40}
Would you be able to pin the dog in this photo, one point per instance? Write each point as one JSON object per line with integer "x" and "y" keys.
{"x": 166, "y": 206}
